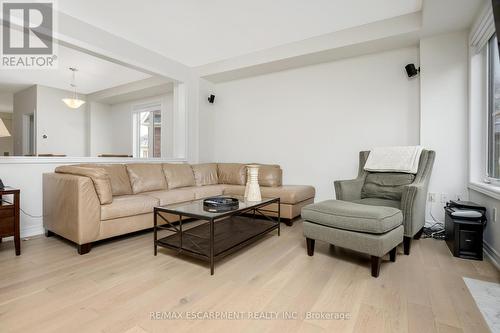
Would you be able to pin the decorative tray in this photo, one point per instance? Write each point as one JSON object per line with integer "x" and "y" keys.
{"x": 220, "y": 204}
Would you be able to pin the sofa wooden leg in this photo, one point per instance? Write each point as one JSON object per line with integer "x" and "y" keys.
{"x": 84, "y": 248}
{"x": 392, "y": 254}
{"x": 418, "y": 234}
{"x": 376, "y": 266}
{"x": 406, "y": 244}
{"x": 48, "y": 233}
{"x": 310, "y": 246}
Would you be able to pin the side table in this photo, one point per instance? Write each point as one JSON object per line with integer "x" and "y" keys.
{"x": 9, "y": 216}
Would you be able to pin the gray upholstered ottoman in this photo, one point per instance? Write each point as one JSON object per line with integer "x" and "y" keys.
{"x": 374, "y": 230}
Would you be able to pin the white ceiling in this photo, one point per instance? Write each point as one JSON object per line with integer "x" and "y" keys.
{"x": 197, "y": 32}
{"x": 94, "y": 74}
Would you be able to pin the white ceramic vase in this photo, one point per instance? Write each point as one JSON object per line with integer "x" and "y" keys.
{"x": 252, "y": 190}
{"x": 247, "y": 184}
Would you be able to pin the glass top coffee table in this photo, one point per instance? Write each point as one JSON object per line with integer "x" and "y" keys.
{"x": 221, "y": 234}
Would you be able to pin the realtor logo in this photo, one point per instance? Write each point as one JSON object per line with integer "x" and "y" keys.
{"x": 27, "y": 35}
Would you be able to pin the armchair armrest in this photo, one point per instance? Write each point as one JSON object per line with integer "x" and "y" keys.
{"x": 71, "y": 207}
{"x": 348, "y": 190}
{"x": 413, "y": 202}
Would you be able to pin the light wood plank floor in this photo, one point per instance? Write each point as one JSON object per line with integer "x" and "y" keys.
{"x": 114, "y": 288}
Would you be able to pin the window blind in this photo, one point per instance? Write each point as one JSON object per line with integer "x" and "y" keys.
{"x": 482, "y": 30}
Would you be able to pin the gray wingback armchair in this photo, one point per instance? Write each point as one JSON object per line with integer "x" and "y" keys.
{"x": 407, "y": 192}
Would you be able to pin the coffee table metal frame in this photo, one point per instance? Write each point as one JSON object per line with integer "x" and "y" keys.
{"x": 213, "y": 220}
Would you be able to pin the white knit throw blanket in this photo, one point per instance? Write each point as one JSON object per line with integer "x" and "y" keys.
{"x": 394, "y": 159}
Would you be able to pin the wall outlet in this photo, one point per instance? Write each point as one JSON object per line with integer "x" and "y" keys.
{"x": 444, "y": 197}
{"x": 432, "y": 197}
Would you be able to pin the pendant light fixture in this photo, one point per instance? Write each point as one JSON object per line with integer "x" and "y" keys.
{"x": 73, "y": 102}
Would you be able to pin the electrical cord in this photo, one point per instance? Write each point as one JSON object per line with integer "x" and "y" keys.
{"x": 436, "y": 230}
{"x": 22, "y": 210}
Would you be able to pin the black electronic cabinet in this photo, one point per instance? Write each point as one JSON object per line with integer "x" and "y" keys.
{"x": 464, "y": 236}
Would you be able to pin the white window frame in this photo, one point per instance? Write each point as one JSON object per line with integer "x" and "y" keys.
{"x": 136, "y": 110}
{"x": 482, "y": 30}
{"x": 489, "y": 105}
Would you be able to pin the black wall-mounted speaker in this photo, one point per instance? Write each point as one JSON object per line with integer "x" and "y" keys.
{"x": 411, "y": 70}
{"x": 211, "y": 99}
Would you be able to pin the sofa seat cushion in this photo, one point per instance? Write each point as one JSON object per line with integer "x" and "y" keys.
{"x": 379, "y": 202}
{"x": 205, "y": 174}
{"x": 208, "y": 191}
{"x": 289, "y": 194}
{"x": 128, "y": 205}
{"x": 352, "y": 216}
{"x": 173, "y": 196}
{"x": 178, "y": 175}
{"x": 146, "y": 177}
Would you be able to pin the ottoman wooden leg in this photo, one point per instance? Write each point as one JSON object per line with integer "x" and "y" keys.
{"x": 376, "y": 266}
{"x": 392, "y": 254}
{"x": 310, "y": 246}
{"x": 406, "y": 244}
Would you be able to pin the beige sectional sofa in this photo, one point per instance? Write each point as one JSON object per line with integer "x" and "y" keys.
{"x": 89, "y": 202}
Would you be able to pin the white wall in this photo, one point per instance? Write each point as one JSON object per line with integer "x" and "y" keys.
{"x": 6, "y": 102}
{"x": 314, "y": 120}
{"x": 24, "y": 103}
{"x": 121, "y": 127}
{"x": 207, "y": 120}
{"x": 179, "y": 122}
{"x": 65, "y": 128}
{"x": 100, "y": 136}
{"x": 444, "y": 91}
{"x": 492, "y": 232}
{"x": 6, "y": 113}
{"x": 7, "y": 143}
{"x": 111, "y": 126}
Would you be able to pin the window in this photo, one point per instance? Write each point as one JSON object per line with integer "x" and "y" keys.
{"x": 147, "y": 132}
{"x": 493, "y": 109}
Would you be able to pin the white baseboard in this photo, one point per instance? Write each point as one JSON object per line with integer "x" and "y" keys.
{"x": 33, "y": 230}
{"x": 491, "y": 253}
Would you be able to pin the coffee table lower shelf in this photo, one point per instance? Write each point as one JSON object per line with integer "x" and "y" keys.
{"x": 230, "y": 235}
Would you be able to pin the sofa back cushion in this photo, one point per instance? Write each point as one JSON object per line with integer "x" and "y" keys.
{"x": 270, "y": 175}
{"x": 99, "y": 177}
{"x": 145, "y": 177}
{"x": 120, "y": 183}
{"x": 178, "y": 175}
{"x": 386, "y": 185}
{"x": 205, "y": 174}
{"x": 232, "y": 173}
